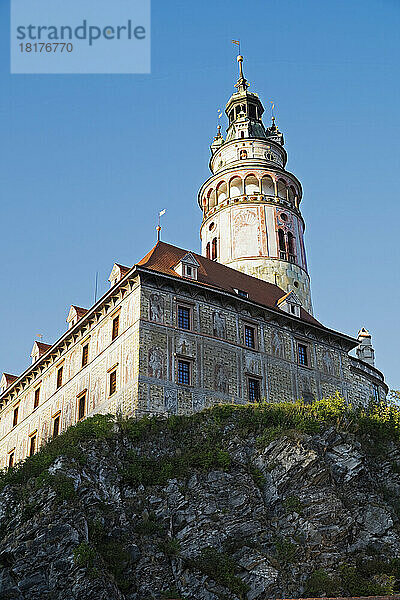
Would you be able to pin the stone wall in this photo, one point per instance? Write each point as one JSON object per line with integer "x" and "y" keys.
{"x": 104, "y": 354}
{"x": 146, "y": 352}
{"x": 221, "y": 363}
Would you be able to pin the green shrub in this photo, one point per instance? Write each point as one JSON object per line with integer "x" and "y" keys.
{"x": 170, "y": 546}
{"x": 66, "y": 444}
{"x": 148, "y": 526}
{"x": 293, "y": 504}
{"x": 319, "y": 583}
{"x": 285, "y": 550}
{"x": 84, "y": 555}
{"x": 355, "y": 584}
{"x": 150, "y": 471}
{"x": 221, "y": 568}
{"x": 258, "y": 476}
{"x": 171, "y": 594}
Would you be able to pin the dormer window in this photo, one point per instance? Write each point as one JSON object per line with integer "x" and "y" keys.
{"x": 75, "y": 313}
{"x": 241, "y": 293}
{"x": 39, "y": 348}
{"x": 187, "y": 266}
{"x": 117, "y": 273}
{"x": 290, "y": 304}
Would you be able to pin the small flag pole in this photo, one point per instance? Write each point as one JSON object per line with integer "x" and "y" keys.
{"x": 237, "y": 42}
{"x": 158, "y": 228}
{"x": 95, "y": 286}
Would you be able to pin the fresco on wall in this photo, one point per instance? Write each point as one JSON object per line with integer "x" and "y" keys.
{"x": 156, "y": 308}
{"x": 219, "y": 324}
{"x": 246, "y": 233}
{"x": 156, "y": 359}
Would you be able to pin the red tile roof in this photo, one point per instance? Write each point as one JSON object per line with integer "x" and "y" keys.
{"x": 9, "y": 379}
{"x": 43, "y": 347}
{"x": 164, "y": 257}
{"x": 79, "y": 311}
{"x": 123, "y": 268}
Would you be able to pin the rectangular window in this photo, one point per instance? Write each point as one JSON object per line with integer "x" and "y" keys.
{"x": 184, "y": 317}
{"x": 37, "y": 398}
{"x": 115, "y": 327}
{"x": 113, "y": 382}
{"x": 32, "y": 445}
{"x": 81, "y": 406}
{"x": 15, "y": 416}
{"x": 302, "y": 354}
{"x": 60, "y": 377}
{"x": 85, "y": 355}
{"x": 56, "y": 426}
{"x": 254, "y": 390}
{"x": 249, "y": 336}
{"x": 11, "y": 458}
{"x": 184, "y": 372}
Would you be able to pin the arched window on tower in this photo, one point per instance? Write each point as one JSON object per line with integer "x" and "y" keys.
{"x": 292, "y": 194}
{"x": 243, "y": 154}
{"x": 242, "y": 134}
{"x": 235, "y": 187}
{"x": 214, "y": 252}
{"x": 222, "y": 192}
{"x": 267, "y": 186}
{"x": 211, "y": 199}
{"x": 282, "y": 244}
{"x": 251, "y": 185}
{"x": 281, "y": 188}
{"x": 208, "y": 251}
{"x": 290, "y": 247}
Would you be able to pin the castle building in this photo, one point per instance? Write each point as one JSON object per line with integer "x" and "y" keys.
{"x": 178, "y": 332}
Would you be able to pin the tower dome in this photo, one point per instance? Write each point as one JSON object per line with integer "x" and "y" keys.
{"x": 251, "y": 203}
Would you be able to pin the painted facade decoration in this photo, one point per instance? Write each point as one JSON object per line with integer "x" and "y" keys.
{"x": 179, "y": 332}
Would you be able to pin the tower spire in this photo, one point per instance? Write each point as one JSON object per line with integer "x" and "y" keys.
{"x": 242, "y": 83}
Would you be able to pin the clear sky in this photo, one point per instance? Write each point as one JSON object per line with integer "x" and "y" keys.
{"x": 87, "y": 161}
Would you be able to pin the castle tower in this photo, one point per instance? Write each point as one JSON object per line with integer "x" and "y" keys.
{"x": 251, "y": 204}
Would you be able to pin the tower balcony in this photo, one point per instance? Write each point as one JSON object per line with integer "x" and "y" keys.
{"x": 246, "y": 199}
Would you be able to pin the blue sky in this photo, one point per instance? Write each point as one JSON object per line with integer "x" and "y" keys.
{"x": 86, "y": 161}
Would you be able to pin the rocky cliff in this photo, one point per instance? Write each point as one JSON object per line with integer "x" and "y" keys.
{"x": 235, "y": 502}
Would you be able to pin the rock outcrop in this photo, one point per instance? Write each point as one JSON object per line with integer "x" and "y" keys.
{"x": 218, "y": 505}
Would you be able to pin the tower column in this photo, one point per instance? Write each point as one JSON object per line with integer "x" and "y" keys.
{"x": 251, "y": 216}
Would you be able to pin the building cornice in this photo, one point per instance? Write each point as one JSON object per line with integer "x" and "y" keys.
{"x": 71, "y": 334}
{"x": 295, "y": 324}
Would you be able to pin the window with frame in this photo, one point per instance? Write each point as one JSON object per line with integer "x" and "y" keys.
{"x": 32, "y": 445}
{"x": 249, "y": 336}
{"x": 183, "y": 372}
{"x": 15, "y": 416}
{"x": 208, "y": 250}
{"x": 11, "y": 459}
{"x": 302, "y": 355}
{"x": 81, "y": 406}
{"x": 85, "y": 355}
{"x": 56, "y": 426}
{"x": 60, "y": 377}
{"x": 253, "y": 389}
{"x": 37, "y": 398}
{"x": 113, "y": 382}
{"x": 184, "y": 317}
{"x": 115, "y": 327}
{"x": 214, "y": 249}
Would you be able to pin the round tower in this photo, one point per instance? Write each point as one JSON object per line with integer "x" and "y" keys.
{"x": 251, "y": 204}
